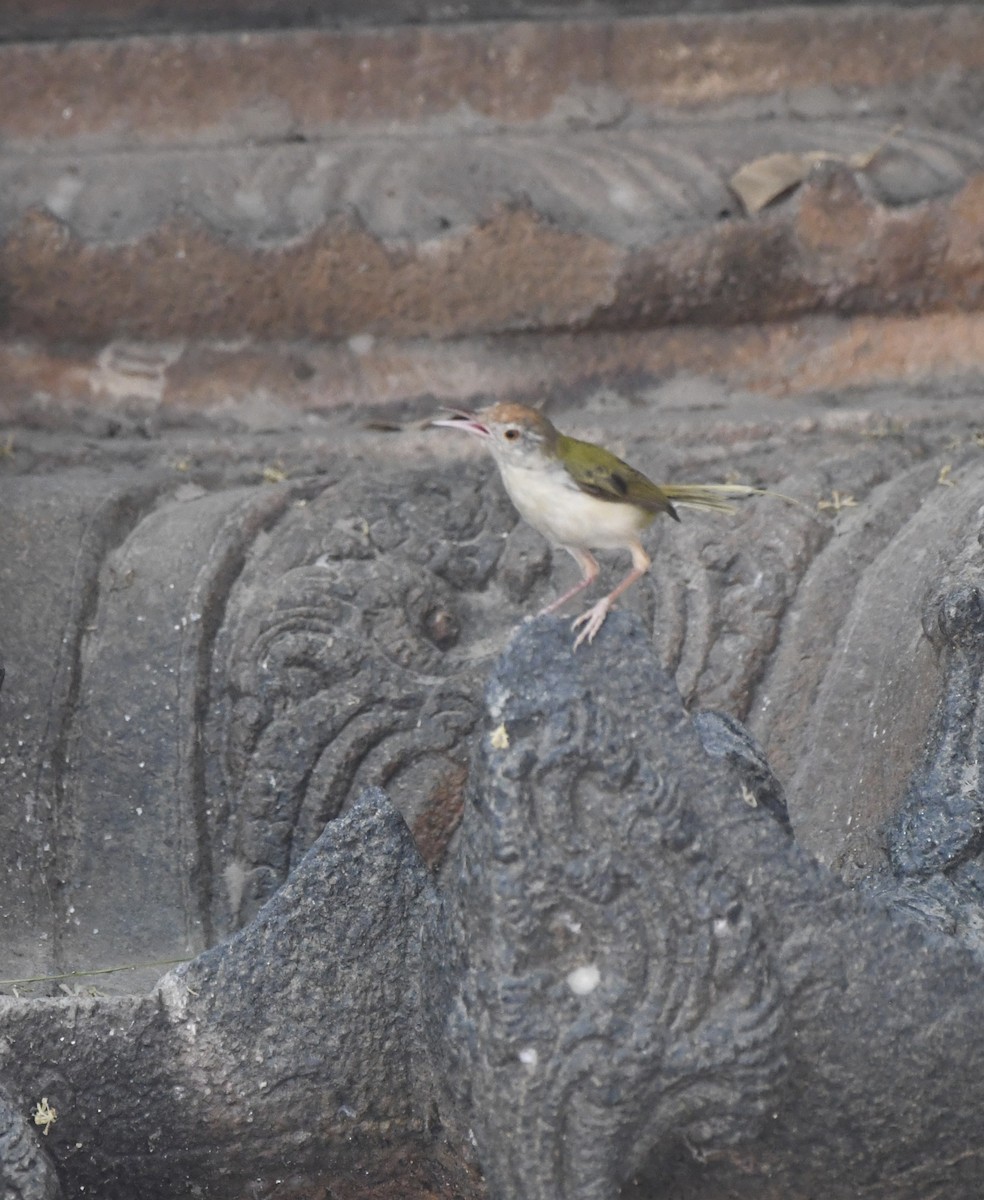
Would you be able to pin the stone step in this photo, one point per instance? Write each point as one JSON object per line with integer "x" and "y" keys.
{"x": 335, "y": 202}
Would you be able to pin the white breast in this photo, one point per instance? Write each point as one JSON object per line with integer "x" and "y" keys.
{"x": 553, "y": 504}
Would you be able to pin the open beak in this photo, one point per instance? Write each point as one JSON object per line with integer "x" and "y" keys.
{"x": 458, "y": 418}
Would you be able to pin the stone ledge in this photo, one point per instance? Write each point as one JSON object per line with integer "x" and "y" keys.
{"x": 474, "y": 180}
{"x": 833, "y": 248}
{"x": 49, "y": 19}
{"x": 206, "y": 89}
{"x": 268, "y": 385}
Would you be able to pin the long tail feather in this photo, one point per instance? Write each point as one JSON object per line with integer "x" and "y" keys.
{"x": 704, "y": 495}
{"x": 716, "y": 496}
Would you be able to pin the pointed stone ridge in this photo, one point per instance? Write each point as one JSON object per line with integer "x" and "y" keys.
{"x": 287, "y": 1049}
{"x": 646, "y": 960}
{"x": 586, "y": 884}
{"x": 633, "y": 974}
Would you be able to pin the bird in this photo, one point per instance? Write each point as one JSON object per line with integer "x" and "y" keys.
{"x": 580, "y": 496}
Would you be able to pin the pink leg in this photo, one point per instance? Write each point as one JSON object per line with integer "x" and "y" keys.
{"x": 594, "y": 618}
{"x": 589, "y": 571}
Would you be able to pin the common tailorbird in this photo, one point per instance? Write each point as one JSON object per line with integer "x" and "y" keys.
{"x": 580, "y": 496}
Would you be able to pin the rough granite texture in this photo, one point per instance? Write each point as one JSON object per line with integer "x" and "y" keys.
{"x": 574, "y": 946}
{"x": 740, "y": 1003}
{"x": 503, "y": 177}
{"x": 631, "y": 978}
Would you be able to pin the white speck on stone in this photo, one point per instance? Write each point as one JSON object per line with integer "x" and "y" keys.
{"x": 529, "y": 1057}
{"x": 361, "y": 344}
{"x": 583, "y": 980}
{"x": 625, "y": 197}
{"x": 61, "y": 197}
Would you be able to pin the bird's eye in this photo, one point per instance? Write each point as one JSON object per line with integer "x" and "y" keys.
{"x": 511, "y": 434}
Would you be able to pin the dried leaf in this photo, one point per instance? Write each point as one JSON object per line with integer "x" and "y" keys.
{"x": 763, "y": 180}
{"x": 274, "y": 473}
{"x": 499, "y": 738}
{"x": 837, "y": 501}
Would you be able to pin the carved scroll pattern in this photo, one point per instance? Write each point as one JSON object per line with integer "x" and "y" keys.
{"x": 600, "y": 1011}
{"x": 349, "y": 656}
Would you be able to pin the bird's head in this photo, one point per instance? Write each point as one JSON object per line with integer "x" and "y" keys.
{"x": 513, "y": 433}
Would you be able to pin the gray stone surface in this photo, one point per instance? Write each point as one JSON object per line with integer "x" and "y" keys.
{"x": 287, "y": 1051}
{"x": 649, "y": 963}
{"x": 725, "y": 738}
{"x": 941, "y": 818}
{"x": 26, "y": 1171}
{"x": 229, "y": 615}
{"x": 629, "y": 977}
{"x": 606, "y": 951}
{"x": 445, "y": 180}
{"x": 50, "y": 19}
{"x": 633, "y": 185}
{"x": 630, "y": 959}
{"x": 933, "y": 840}
{"x": 856, "y": 675}
{"x": 278, "y": 646}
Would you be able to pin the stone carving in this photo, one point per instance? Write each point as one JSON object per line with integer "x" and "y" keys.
{"x": 725, "y": 738}
{"x": 294, "y": 643}
{"x": 343, "y": 659}
{"x": 441, "y": 181}
{"x": 632, "y": 977}
{"x": 846, "y": 701}
{"x": 941, "y": 821}
{"x": 585, "y": 885}
{"x": 297, "y": 1035}
{"x": 569, "y": 969}
{"x": 934, "y": 840}
{"x": 299, "y": 641}
{"x": 572, "y": 949}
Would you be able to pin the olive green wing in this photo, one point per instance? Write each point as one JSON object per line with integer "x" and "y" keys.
{"x": 600, "y": 473}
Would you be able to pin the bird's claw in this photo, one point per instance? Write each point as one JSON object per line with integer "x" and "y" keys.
{"x": 592, "y": 620}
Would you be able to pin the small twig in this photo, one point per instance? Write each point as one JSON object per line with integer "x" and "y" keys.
{"x": 164, "y": 962}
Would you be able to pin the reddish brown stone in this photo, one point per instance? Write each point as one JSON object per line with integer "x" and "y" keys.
{"x": 437, "y": 822}
{"x": 831, "y": 250}
{"x": 963, "y": 262}
{"x": 694, "y": 61}
{"x": 266, "y": 383}
{"x": 298, "y": 83}
{"x": 184, "y": 282}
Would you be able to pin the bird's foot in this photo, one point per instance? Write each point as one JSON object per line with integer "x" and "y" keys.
{"x": 592, "y": 620}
